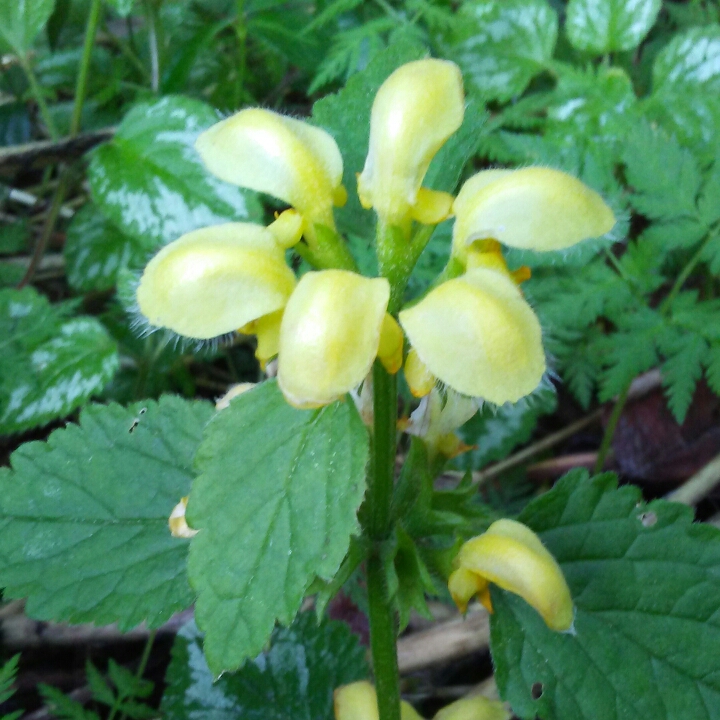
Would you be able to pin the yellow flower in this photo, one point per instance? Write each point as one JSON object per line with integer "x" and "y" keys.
{"x": 216, "y": 280}
{"x": 415, "y": 111}
{"x": 278, "y": 155}
{"x": 177, "y": 522}
{"x": 478, "y": 335}
{"x": 334, "y": 326}
{"x": 358, "y": 701}
{"x": 533, "y": 208}
{"x": 512, "y": 556}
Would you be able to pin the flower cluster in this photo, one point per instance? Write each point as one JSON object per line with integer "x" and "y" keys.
{"x": 474, "y": 332}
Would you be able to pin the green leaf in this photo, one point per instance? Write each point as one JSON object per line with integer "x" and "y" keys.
{"x": 645, "y": 581}
{"x": 602, "y": 26}
{"x": 346, "y": 116}
{"x": 8, "y": 672}
{"x": 149, "y": 181}
{"x": 13, "y": 237}
{"x": 665, "y": 176}
{"x": 294, "y": 678}
{"x": 84, "y": 515}
{"x": 101, "y": 691}
{"x": 690, "y": 58}
{"x": 95, "y": 251}
{"x": 64, "y": 707}
{"x": 503, "y": 44}
{"x": 712, "y": 368}
{"x": 275, "y": 504}
{"x": 52, "y": 363}
{"x": 681, "y": 371}
{"x": 22, "y": 20}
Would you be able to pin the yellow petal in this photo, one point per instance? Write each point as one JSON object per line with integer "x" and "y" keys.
{"x": 478, "y": 335}
{"x": 415, "y": 111}
{"x": 267, "y": 329}
{"x": 177, "y": 523}
{"x": 390, "y": 350}
{"x": 330, "y": 335}
{"x": 533, "y": 208}
{"x": 215, "y": 280}
{"x": 510, "y": 555}
{"x": 358, "y": 701}
{"x": 224, "y": 402}
{"x": 464, "y": 585}
{"x": 432, "y": 206}
{"x": 287, "y": 228}
{"x": 474, "y": 708}
{"x": 419, "y": 379}
{"x": 271, "y": 153}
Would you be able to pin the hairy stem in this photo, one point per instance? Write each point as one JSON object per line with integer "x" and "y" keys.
{"x": 81, "y": 84}
{"x": 39, "y": 97}
{"x": 382, "y": 641}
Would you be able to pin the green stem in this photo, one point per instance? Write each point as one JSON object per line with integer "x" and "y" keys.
{"x": 610, "y": 429}
{"x": 151, "y": 16}
{"x": 39, "y": 98}
{"x": 382, "y": 641}
{"x": 138, "y": 675}
{"x": 81, "y": 85}
{"x": 384, "y": 446}
{"x": 687, "y": 271}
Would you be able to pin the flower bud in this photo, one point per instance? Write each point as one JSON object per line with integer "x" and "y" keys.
{"x": 512, "y": 556}
{"x": 330, "y": 335}
{"x": 479, "y": 336}
{"x": 177, "y": 522}
{"x": 278, "y": 155}
{"x": 215, "y": 280}
{"x": 415, "y": 111}
{"x": 534, "y": 208}
{"x": 358, "y": 701}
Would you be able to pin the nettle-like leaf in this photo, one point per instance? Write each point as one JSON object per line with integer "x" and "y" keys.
{"x": 84, "y": 515}
{"x": 645, "y": 581}
{"x": 690, "y": 58}
{"x": 503, "y": 44}
{"x": 52, "y": 363}
{"x": 151, "y": 184}
{"x": 275, "y": 503}
{"x": 602, "y": 26}
{"x": 95, "y": 251}
{"x": 294, "y": 678}
{"x": 22, "y": 20}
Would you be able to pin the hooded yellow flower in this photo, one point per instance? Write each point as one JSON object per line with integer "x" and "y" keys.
{"x": 415, "y": 111}
{"x": 278, "y": 155}
{"x": 479, "y": 336}
{"x": 216, "y": 280}
{"x": 533, "y": 208}
{"x": 334, "y": 326}
{"x": 512, "y": 556}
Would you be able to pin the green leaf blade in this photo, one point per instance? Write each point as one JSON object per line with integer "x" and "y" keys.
{"x": 275, "y": 504}
{"x": 690, "y": 58}
{"x": 22, "y": 20}
{"x": 84, "y": 516}
{"x": 644, "y": 580}
{"x": 295, "y": 677}
{"x": 602, "y": 26}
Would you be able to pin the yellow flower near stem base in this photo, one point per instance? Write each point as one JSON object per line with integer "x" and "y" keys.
{"x": 358, "y": 701}
{"x": 479, "y": 336}
{"x": 334, "y": 326}
{"x": 278, "y": 155}
{"x": 533, "y": 208}
{"x": 215, "y": 280}
{"x": 513, "y": 557}
{"x": 414, "y": 112}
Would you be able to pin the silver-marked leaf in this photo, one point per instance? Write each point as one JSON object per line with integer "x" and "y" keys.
{"x": 602, "y": 26}
{"x": 51, "y": 363}
{"x": 95, "y": 251}
{"x": 504, "y": 44}
{"x": 84, "y": 516}
{"x": 149, "y": 181}
{"x": 645, "y": 581}
{"x": 275, "y": 504}
{"x": 691, "y": 58}
{"x": 294, "y": 678}
{"x": 22, "y": 20}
